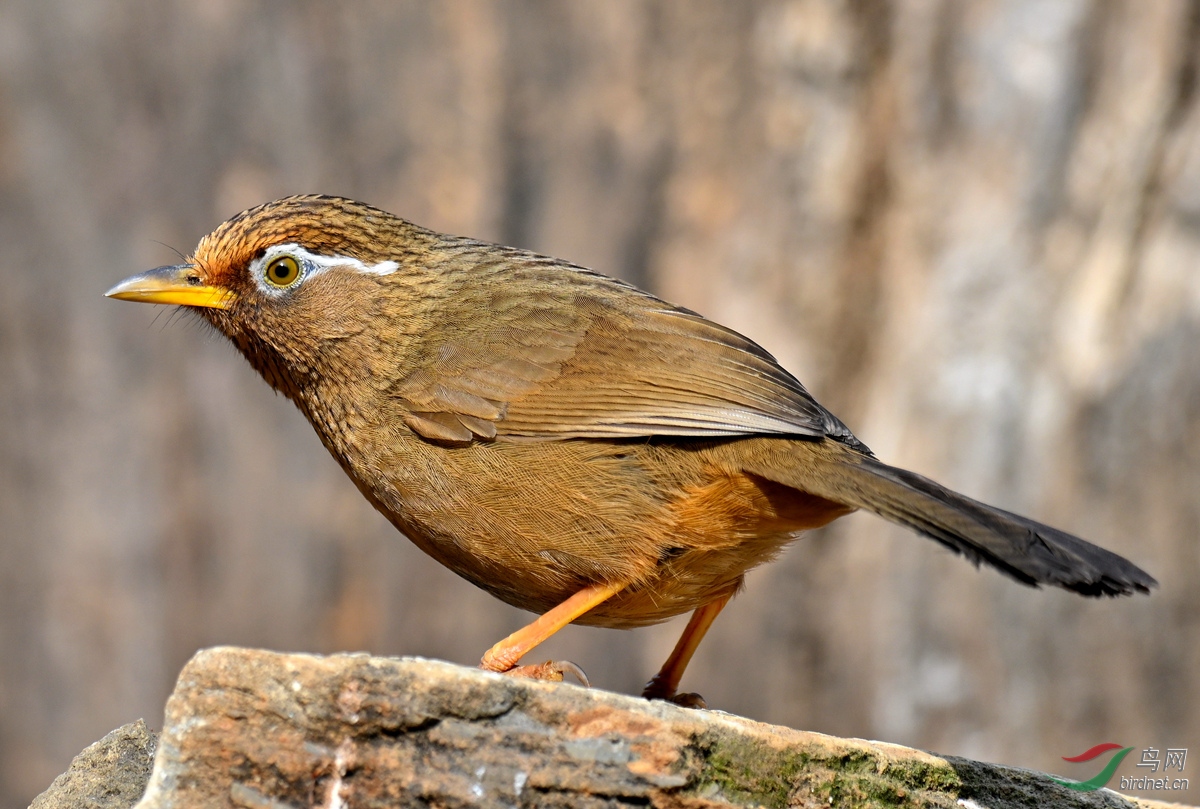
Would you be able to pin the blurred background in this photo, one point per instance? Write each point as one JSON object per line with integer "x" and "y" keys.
{"x": 972, "y": 229}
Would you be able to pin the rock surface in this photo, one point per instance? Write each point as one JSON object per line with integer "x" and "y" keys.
{"x": 265, "y": 730}
{"x": 110, "y": 774}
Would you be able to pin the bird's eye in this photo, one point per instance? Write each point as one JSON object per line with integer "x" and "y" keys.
{"x": 282, "y": 271}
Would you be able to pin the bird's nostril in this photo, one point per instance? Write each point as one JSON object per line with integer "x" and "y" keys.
{"x": 193, "y": 280}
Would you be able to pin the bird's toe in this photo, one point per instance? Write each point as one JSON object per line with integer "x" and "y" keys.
{"x": 552, "y": 670}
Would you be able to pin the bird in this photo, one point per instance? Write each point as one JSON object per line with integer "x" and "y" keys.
{"x": 571, "y": 444}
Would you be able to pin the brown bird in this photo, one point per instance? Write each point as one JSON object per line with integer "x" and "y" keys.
{"x": 573, "y": 445}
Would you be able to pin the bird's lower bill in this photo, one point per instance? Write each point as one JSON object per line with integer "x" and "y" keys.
{"x": 177, "y": 284}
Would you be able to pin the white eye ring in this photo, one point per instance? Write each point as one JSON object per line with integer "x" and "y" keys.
{"x": 308, "y": 264}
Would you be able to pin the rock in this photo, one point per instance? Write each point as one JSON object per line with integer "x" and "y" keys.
{"x": 110, "y": 774}
{"x": 264, "y": 730}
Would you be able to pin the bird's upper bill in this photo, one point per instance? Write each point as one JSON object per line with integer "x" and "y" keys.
{"x": 178, "y": 284}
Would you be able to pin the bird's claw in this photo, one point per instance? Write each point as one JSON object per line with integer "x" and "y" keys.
{"x": 686, "y": 700}
{"x": 552, "y": 670}
{"x": 689, "y": 700}
{"x": 659, "y": 688}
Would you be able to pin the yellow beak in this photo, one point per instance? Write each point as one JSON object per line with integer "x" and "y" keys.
{"x": 178, "y": 284}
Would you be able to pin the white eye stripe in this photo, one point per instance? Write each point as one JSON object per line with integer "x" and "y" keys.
{"x": 311, "y": 264}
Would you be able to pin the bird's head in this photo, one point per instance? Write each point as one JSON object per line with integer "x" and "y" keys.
{"x": 292, "y": 281}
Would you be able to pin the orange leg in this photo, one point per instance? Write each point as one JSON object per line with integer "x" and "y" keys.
{"x": 664, "y": 684}
{"x": 505, "y": 654}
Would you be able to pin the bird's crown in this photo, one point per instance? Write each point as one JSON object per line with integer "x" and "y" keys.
{"x": 323, "y": 230}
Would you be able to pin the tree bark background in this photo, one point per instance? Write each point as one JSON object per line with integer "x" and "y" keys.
{"x": 972, "y": 229}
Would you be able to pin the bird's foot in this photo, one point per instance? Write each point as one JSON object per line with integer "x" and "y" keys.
{"x": 552, "y": 670}
{"x": 688, "y": 700}
{"x": 658, "y": 689}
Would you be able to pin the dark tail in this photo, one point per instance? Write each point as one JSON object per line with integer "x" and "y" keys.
{"x": 1028, "y": 551}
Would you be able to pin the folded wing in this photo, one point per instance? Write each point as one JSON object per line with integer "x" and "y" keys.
{"x": 590, "y": 357}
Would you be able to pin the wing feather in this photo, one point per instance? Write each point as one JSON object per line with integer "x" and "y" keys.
{"x": 591, "y": 357}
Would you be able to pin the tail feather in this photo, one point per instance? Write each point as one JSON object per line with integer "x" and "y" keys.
{"x": 1026, "y": 550}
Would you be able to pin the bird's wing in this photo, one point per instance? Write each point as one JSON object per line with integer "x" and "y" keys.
{"x": 594, "y": 358}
